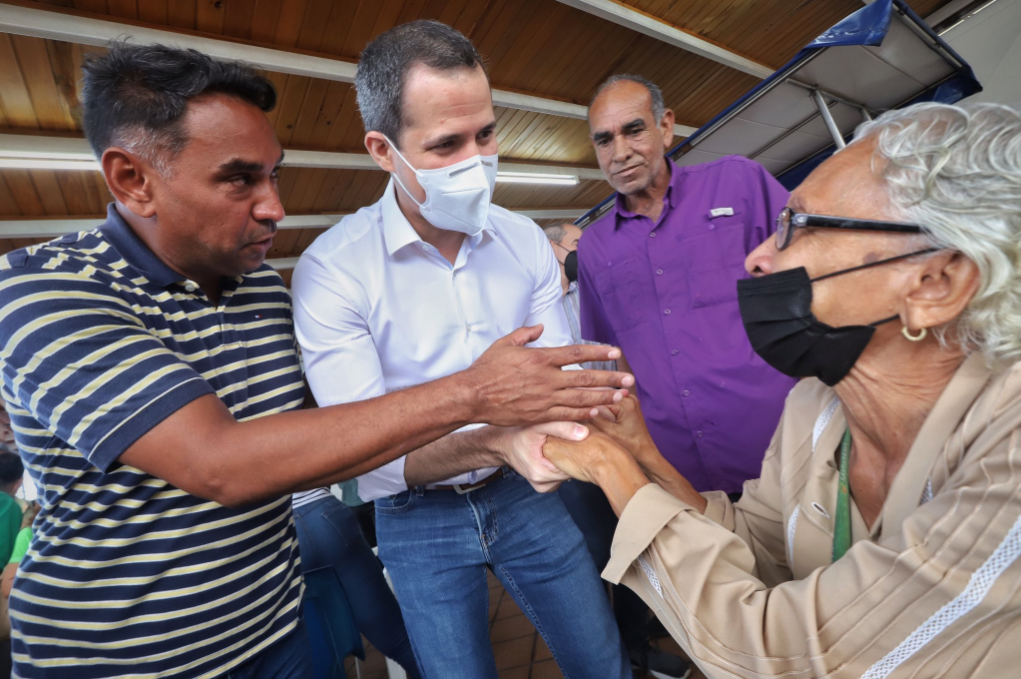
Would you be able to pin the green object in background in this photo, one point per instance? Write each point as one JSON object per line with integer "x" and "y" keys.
{"x": 842, "y": 524}
{"x": 21, "y": 544}
{"x": 10, "y": 525}
{"x": 349, "y": 489}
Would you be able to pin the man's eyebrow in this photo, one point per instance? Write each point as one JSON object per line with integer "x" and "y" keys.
{"x": 235, "y": 165}
{"x": 602, "y": 136}
{"x": 634, "y": 124}
{"x": 442, "y": 140}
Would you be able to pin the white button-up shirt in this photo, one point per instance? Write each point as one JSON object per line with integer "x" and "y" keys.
{"x": 378, "y": 309}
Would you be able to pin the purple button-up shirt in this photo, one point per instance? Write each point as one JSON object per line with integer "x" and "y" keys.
{"x": 666, "y": 294}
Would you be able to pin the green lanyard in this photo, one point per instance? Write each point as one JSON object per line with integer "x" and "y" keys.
{"x": 842, "y": 524}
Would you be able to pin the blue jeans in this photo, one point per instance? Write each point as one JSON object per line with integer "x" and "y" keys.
{"x": 329, "y": 535}
{"x": 288, "y": 658}
{"x": 437, "y": 545}
{"x": 592, "y": 512}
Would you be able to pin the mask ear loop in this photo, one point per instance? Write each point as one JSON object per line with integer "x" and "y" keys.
{"x": 871, "y": 264}
{"x": 393, "y": 147}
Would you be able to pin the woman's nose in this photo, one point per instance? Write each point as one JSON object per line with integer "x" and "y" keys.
{"x": 760, "y": 261}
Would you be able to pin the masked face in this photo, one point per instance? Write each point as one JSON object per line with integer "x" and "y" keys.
{"x": 777, "y": 314}
{"x": 571, "y": 266}
{"x": 457, "y": 197}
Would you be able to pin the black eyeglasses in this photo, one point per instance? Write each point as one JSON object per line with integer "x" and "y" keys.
{"x": 789, "y": 220}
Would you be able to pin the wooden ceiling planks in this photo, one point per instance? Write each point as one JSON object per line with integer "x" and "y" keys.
{"x": 52, "y": 193}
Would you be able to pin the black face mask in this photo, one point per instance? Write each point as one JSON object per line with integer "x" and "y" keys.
{"x": 571, "y": 266}
{"x": 777, "y": 315}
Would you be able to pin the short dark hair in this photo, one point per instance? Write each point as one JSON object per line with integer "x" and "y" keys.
{"x": 385, "y": 63}
{"x": 135, "y": 96}
{"x": 658, "y": 105}
{"x": 11, "y": 467}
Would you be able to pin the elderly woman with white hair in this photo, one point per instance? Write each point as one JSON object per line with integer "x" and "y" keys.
{"x": 883, "y": 537}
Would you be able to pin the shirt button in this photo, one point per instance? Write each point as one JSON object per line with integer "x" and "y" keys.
{"x": 698, "y": 434}
{"x": 712, "y": 227}
{"x": 659, "y": 272}
{"x": 190, "y": 287}
{"x": 652, "y": 235}
{"x": 666, "y": 311}
{"x": 687, "y": 393}
{"x": 673, "y": 352}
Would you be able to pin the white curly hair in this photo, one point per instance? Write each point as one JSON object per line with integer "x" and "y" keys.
{"x": 956, "y": 170}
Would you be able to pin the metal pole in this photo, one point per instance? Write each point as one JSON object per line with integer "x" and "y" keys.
{"x": 831, "y": 124}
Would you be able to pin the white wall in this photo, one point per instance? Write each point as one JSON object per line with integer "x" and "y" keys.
{"x": 990, "y": 42}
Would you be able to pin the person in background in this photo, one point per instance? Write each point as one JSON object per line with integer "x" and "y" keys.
{"x": 329, "y": 535}
{"x": 6, "y": 433}
{"x": 412, "y": 288}
{"x": 152, "y": 376}
{"x": 588, "y": 505}
{"x": 21, "y": 544}
{"x": 12, "y": 474}
{"x": 883, "y": 536}
{"x": 564, "y": 239}
{"x": 656, "y": 276}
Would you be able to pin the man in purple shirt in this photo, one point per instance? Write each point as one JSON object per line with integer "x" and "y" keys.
{"x": 658, "y": 278}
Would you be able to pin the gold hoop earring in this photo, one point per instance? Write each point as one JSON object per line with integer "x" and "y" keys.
{"x": 914, "y": 338}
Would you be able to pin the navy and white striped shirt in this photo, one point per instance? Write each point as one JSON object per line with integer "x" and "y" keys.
{"x": 128, "y": 575}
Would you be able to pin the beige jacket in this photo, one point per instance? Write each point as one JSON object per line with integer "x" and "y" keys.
{"x": 749, "y": 590}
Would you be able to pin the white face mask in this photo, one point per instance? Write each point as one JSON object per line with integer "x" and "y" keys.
{"x": 457, "y": 197}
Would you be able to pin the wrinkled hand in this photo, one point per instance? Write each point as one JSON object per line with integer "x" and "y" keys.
{"x": 522, "y": 450}
{"x": 513, "y": 385}
{"x": 602, "y": 461}
{"x": 625, "y": 424}
{"x": 584, "y": 460}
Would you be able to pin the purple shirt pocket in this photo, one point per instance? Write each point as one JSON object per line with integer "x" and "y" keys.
{"x": 713, "y": 259}
{"x": 620, "y": 292}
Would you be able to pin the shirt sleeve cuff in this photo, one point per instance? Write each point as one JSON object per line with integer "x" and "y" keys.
{"x": 160, "y": 408}
{"x": 643, "y": 518}
{"x": 719, "y": 510}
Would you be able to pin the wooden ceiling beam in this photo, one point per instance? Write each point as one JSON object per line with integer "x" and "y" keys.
{"x": 67, "y": 27}
{"x": 628, "y": 17}
{"x": 77, "y": 150}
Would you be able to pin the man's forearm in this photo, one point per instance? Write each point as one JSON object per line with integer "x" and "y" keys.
{"x": 454, "y": 454}
{"x": 235, "y": 463}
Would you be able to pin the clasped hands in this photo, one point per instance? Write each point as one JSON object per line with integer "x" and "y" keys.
{"x": 613, "y": 450}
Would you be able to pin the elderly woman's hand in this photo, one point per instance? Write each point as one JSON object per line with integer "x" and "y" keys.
{"x": 625, "y": 424}
{"x": 599, "y": 460}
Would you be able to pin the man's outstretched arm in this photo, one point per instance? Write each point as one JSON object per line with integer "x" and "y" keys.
{"x": 203, "y": 450}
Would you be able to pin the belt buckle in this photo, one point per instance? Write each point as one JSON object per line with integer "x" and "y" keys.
{"x": 462, "y": 490}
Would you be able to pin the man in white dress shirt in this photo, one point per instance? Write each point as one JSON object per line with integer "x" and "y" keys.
{"x": 416, "y": 287}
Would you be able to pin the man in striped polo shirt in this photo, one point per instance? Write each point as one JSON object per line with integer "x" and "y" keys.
{"x": 150, "y": 370}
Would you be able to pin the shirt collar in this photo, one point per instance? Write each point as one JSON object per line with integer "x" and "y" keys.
{"x": 134, "y": 251}
{"x": 623, "y": 213}
{"x": 398, "y": 231}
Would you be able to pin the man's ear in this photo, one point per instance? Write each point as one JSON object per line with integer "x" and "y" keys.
{"x": 130, "y": 180}
{"x": 941, "y": 289}
{"x": 379, "y": 149}
{"x": 666, "y": 127}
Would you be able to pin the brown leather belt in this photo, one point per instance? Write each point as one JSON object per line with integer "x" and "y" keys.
{"x": 462, "y": 489}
